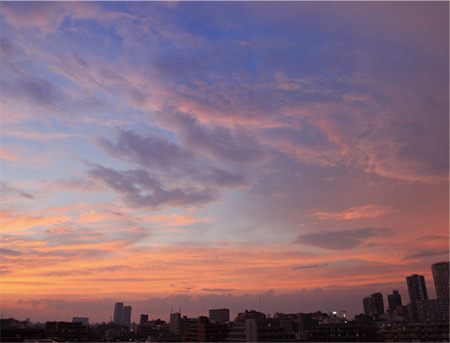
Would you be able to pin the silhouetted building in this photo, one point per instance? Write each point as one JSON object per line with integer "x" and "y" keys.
{"x": 343, "y": 332}
{"x": 369, "y": 306}
{"x": 415, "y": 333}
{"x": 441, "y": 279}
{"x": 175, "y": 321}
{"x": 394, "y": 300}
{"x": 373, "y": 304}
{"x": 13, "y": 330}
{"x": 204, "y": 331}
{"x": 417, "y": 288}
{"x": 221, "y": 315}
{"x": 118, "y": 313}
{"x": 143, "y": 319}
{"x": 152, "y": 329}
{"x": 379, "y": 304}
{"x": 67, "y": 331}
{"x": 178, "y": 325}
{"x": 82, "y": 320}
{"x": 126, "y": 316}
{"x": 111, "y": 330}
{"x": 430, "y": 311}
{"x": 252, "y": 326}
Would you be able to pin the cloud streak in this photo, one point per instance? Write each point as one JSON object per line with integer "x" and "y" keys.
{"x": 341, "y": 239}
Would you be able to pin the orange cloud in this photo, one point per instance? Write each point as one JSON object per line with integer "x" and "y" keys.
{"x": 368, "y": 211}
{"x": 7, "y": 155}
{"x": 176, "y": 219}
{"x": 12, "y": 222}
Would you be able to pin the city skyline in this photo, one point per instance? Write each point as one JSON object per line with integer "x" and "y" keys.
{"x": 210, "y": 154}
{"x": 440, "y": 278}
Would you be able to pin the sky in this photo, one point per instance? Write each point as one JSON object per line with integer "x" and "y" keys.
{"x": 197, "y": 155}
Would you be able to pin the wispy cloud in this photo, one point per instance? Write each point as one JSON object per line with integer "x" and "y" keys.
{"x": 368, "y": 211}
{"x": 340, "y": 239}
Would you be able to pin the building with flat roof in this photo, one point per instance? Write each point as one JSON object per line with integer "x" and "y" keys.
{"x": 417, "y": 288}
{"x": 220, "y": 315}
{"x": 441, "y": 279}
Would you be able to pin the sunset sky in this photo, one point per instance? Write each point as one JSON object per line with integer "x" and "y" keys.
{"x": 198, "y": 155}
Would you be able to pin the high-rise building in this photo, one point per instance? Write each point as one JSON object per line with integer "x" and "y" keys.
{"x": 373, "y": 304}
{"x": 417, "y": 288}
{"x": 126, "y": 316}
{"x": 379, "y": 304}
{"x": 441, "y": 279}
{"x": 394, "y": 300}
{"x": 118, "y": 313}
{"x": 220, "y": 315}
{"x": 369, "y": 306}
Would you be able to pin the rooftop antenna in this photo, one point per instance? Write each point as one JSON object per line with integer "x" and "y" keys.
{"x": 260, "y": 310}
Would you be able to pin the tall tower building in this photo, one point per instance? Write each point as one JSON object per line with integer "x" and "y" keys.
{"x": 118, "y": 313}
{"x": 416, "y": 288}
{"x": 441, "y": 279}
{"x": 369, "y": 306}
{"x": 394, "y": 300}
{"x": 378, "y": 301}
{"x": 126, "y": 317}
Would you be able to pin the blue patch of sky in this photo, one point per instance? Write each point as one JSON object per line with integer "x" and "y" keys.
{"x": 90, "y": 35}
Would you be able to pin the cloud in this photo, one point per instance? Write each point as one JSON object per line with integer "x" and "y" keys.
{"x": 9, "y": 252}
{"x": 368, "y": 211}
{"x": 138, "y": 188}
{"x": 310, "y": 266}
{"x": 432, "y": 238}
{"x": 168, "y": 174}
{"x": 75, "y": 184}
{"x": 340, "y": 240}
{"x": 217, "y": 290}
{"x": 168, "y": 159}
{"x": 222, "y": 143}
{"x": 426, "y": 254}
{"x": 9, "y": 191}
{"x": 7, "y": 155}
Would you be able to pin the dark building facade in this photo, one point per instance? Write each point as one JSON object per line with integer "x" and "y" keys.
{"x": 441, "y": 279}
{"x": 204, "y": 331}
{"x": 220, "y": 315}
{"x": 431, "y": 311}
{"x": 118, "y": 313}
{"x": 373, "y": 304}
{"x": 379, "y": 303}
{"x": 417, "y": 288}
{"x": 394, "y": 300}
{"x": 67, "y": 331}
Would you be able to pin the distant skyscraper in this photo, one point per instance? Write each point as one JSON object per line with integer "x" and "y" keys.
{"x": 126, "y": 317}
{"x": 417, "y": 288}
{"x": 118, "y": 313}
{"x": 221, "y": 315}
{"x": 441, "y": 279}
{"x": 394, "y": 300}
{"x": 378, "y": 301}
{"x": 373, "y": 304}
{"x": 369, "y": 306}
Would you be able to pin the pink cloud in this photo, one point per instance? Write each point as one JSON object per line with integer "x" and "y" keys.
{"x": 367, "y": 211}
